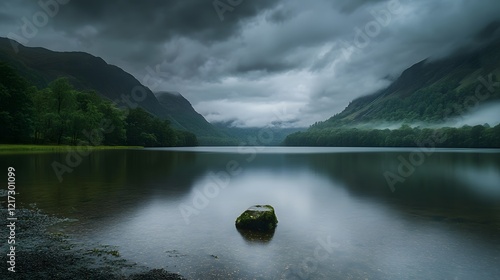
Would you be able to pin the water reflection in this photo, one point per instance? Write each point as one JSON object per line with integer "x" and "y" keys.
{"x": 256, "y": 237}
{"x": 442, "y": 222}
{"x": 484, "y": 181}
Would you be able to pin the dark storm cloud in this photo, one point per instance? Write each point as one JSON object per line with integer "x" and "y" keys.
{"x": 308, "y": 59}
{"x": 136, "y": 31}
{"x": 267, "y": 66}
{"x": 280, "y": 15}
{"x": 159, "y": 20}
{"x": 349, "y": 6}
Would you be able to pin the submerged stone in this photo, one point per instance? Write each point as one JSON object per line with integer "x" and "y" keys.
{"x": 258, "y": 218}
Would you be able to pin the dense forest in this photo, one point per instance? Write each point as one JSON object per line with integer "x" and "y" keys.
{"x": 60, "y": 114}
{"x": 478, "y": 136}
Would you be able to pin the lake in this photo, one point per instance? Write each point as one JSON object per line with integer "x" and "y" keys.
{"x": 344, "y": 213}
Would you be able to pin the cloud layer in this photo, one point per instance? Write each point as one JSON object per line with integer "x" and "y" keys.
{"x": 258, "y": 62}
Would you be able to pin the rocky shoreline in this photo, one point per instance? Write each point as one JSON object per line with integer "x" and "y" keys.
{"x": 44, "y": 254}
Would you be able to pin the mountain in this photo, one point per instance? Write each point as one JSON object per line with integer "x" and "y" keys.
{"x": 184, "y": 114}
{"x": 430, "y": 98}
{"x": 267, "y": 136}
{"x": 429, "y": 91}
{"x": 86, "y": 72}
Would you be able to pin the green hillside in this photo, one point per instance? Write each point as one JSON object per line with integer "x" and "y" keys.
{"x": 61, "y": 115}
{"x": 185, "y": 115}
{"x": 430, "y": 91}
{"x": 86, "y": 72}
{"x": 428, "y": 94}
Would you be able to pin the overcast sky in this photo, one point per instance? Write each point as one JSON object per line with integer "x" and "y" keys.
{"x": 255, "y": 62}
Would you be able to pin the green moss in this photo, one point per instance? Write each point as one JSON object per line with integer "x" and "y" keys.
{"x": 258, "y": 218}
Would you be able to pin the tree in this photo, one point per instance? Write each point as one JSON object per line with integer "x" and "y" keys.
{"x": 164, "y": 134}
{"x": 114, "y": 124}
{"x": 143, "y": 129}
{"x": 63, "y": 105}
{"x": 137, "y": 122}
{"x": 60, "y": 114}
{"x": 186, "y": 139}
{"x": 15, "y": 107}
{"x": 87, "y": 118}
{"x": 42, "y": 117}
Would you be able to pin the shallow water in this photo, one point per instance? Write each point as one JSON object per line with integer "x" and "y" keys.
{"x": 338, "y": 216}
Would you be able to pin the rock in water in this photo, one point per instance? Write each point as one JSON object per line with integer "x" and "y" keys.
{"x": 258, "y": 218}
{"x": 252, "y": 236}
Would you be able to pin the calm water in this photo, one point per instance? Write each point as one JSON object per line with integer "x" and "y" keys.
{"x": 338, "y": 217}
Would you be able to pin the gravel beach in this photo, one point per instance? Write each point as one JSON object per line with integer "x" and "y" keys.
{"x": 41, "y": 253}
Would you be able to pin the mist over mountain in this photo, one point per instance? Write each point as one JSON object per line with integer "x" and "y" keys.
{"x": 486, "y": 114}
{"x": 460, "y": 93}
{"x": 256, "y": 136}
{"x": 430, "y": 92}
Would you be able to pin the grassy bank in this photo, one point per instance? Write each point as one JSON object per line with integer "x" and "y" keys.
{"x": 13, "y": 148}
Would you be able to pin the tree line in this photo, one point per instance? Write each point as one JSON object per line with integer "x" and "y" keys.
{"x": 60, "y": 114}
{"x": 433, "y": 104}
{"x": 479, "y": 136}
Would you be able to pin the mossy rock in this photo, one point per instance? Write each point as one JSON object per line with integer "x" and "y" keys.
{"x": 258, "y": 218}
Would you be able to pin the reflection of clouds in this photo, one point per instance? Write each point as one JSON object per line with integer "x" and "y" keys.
{"x": 308, "y": 206}
{"x": 484, "y": 181}
{"x": 297, "y": 197}
{"x": 315, "y": 196}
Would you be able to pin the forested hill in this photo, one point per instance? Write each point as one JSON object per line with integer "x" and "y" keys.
{"x": 86, "y": 72}
{"x": 60, "y": 114}
{"x": 430, "y": 91}
{"x": 424, "y": 100}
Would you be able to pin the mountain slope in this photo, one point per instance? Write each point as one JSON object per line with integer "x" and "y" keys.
{"x": 86, "y": 72}
{"x": 182, "y": 111}
{"x": 430, "y": 91}
{"x": 431, "y": 96}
